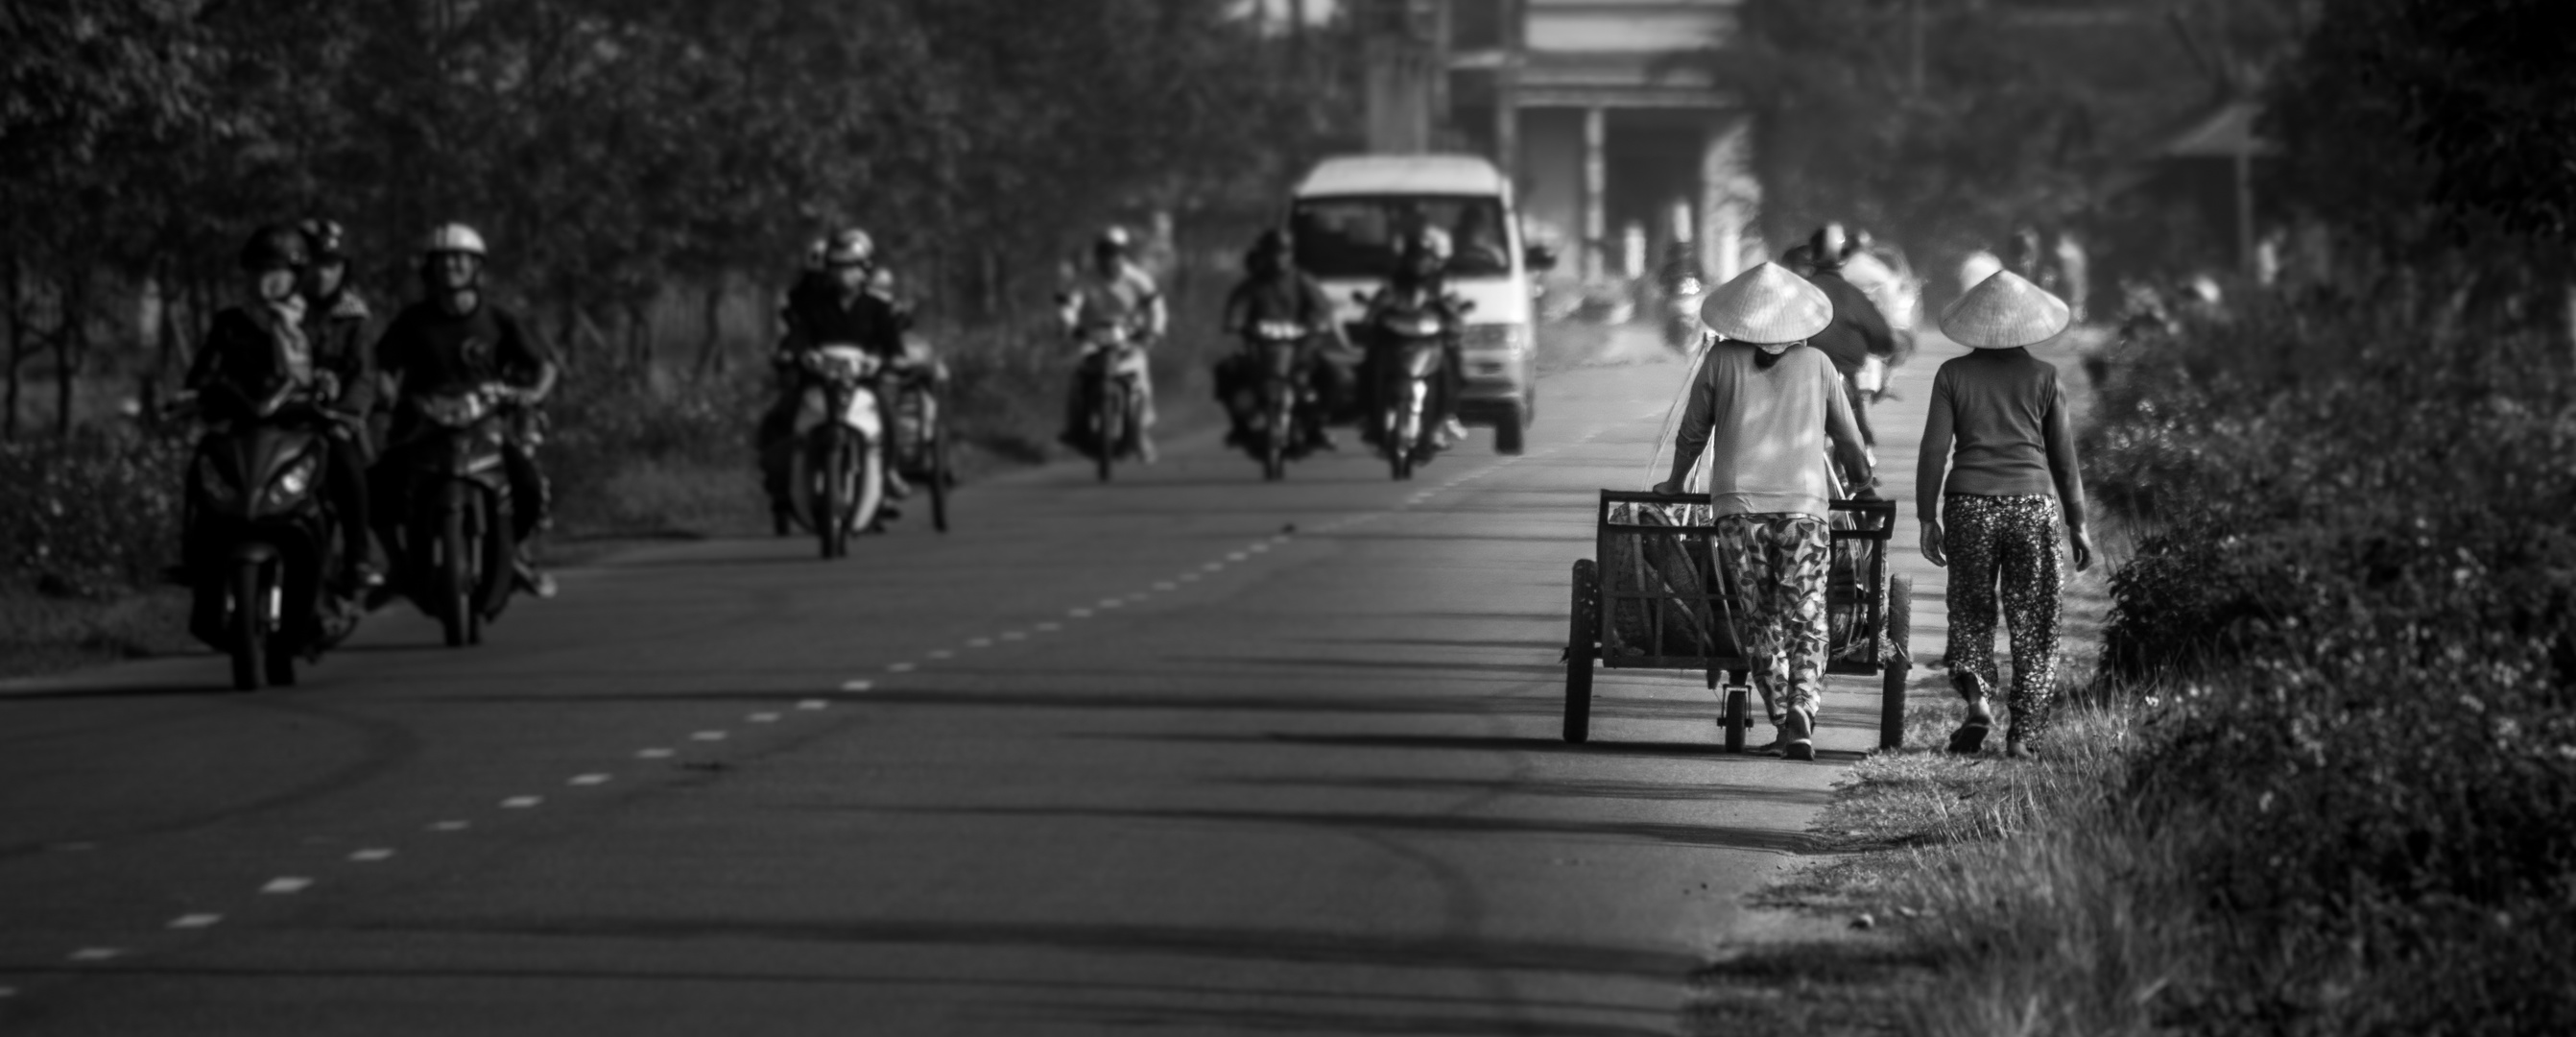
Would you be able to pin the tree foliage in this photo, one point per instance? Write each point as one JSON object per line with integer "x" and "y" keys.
{"x": 612, "y": 148}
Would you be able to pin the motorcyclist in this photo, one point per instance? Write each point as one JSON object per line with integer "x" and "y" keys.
{"x": 255, "y": 349}
{"x": 456, "y": 337}
{"x": 1422, "y": 259}
{"x": 1112, "y": 292}
{"x": 1275, "y": 292}
{"x": 831, "y": 304}
{"x": 1858, "y": 332}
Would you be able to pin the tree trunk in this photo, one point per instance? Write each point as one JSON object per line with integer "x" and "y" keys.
{"x": 71, "y": 343}
{"x": 17, "y": 293}
{"x": 711, "y": 336}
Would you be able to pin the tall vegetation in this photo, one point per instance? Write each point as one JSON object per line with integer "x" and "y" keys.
{"x": 613, "y": 150}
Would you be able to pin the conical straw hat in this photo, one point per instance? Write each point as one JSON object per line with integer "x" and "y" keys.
{"x": 1767, "y": 305}
{"x": 2003, "y": 312}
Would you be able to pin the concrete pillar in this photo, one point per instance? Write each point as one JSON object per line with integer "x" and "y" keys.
{"x": 1596, "y": 189}
{"x": 1730, "y": 197}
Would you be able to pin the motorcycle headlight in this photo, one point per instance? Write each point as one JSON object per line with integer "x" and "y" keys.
{"x": 291, "y": 483}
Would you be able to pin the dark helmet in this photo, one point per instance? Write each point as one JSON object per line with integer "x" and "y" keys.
{"x": 325, "y": 238}
{"x": 275, "y": 247}
{"x": 1829, "y": 245}
{"x": 1269, "y": 251}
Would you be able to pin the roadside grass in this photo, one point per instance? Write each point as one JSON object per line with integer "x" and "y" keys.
{"x": 44, "y": 634}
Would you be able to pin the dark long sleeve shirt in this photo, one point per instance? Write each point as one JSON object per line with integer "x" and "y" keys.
{"x": 1998, "y": 427}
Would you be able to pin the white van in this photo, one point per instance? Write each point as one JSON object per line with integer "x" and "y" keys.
{"x": 1344, "y": 218}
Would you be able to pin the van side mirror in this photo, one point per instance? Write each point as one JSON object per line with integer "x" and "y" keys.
{"x": 1539, "y": 257}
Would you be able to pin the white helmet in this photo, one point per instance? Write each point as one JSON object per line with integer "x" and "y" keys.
{"x": 452, "y": 237}
{"x": 850, "y": 247}
{"x": 1114, "y": 237}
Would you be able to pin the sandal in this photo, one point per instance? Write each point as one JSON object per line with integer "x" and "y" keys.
{"x": 1971, "y": 735}
{"x": 1797, "y": 740}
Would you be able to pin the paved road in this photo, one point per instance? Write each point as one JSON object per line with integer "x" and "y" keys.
{"x": 1184, "y": 751}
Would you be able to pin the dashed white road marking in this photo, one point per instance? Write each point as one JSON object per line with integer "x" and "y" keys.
{"x": 1237, "y": 556}
{"x": 195, "y": 921}
{"x": 1049, "y": 627}
{"x": 1189, "y": 577}
{"x": 763, "y": 718}
{"x": 857, "y": 685}
{"x": 812, "y": 704}
{"x": 96, "y": 953}
{"x": 980, "y": 642}
{"x": 1257, "y": 547}
{"x": 707, "y": 736}
{"x": 1014, "y": 635}
{"x": 1111, "y": 603}
{"x": 656, "y": 753}
{"x": 450, "y": 826}
{"x": 1079, "y": 613}
{"x": 942, "y": 653}
{"x": 588, "y": 779}
{"x": 372, "y": 855}
{"x": 287, "y": 884}
{"x": 899, "y": 667}
{"x": 1212, "y": 567}
{"x": 1166, "y": 585}
{"x": 522, "y": 802}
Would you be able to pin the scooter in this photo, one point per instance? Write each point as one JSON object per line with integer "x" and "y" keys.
{"x": 262, "y": 540}
{"x": 1274, "y": 349}
{"x": 837, "y": 477}
{"x": 1415, "y": 339}
{"x": 1681, "y": 314}
{"x": 1113, "y": 365}
{"x": 457, "y": 546}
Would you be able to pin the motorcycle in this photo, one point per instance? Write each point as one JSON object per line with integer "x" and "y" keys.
{"x": 1681, "y": 314}
{"x": 262, "y": 539}
{"x": 457, "y": 547}
{"x": 1415, "y": 341}
{"x": 1113, "y": 365}
{"x": 1274, "y": 352}
{"x": 836, "y": 477}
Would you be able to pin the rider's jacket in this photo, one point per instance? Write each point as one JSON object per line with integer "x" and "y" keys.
{"x": 1289, "y": 297}
{"x": 1397, "y": 297}
{"x": 1858, "y": 330}
{"x": 429, "y": 348}
{"x": 818, "y": 314}
{"x": 254, "y": 349}
{"x": 337, "y": 328}
{"x": 1124, "y": 297}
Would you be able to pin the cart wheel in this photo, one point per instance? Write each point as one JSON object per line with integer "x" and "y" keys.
{"x": 1582, "y": 632}
{"x": 1896, "y": 663}
{"x": 1739, "y": 718}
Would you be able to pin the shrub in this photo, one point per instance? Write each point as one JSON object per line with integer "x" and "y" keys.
{"x": 93, "y": 514}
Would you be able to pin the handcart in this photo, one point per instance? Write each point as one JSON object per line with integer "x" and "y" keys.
{"x": 1654, "y": 601}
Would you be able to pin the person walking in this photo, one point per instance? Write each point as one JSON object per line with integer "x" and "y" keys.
{"x": 1765, "y": 405}
{"x": 1996, "y": 474}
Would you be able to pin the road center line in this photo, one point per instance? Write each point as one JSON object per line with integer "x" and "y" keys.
{"x": 942, "y": 653}
{"x": 450, "y": 826}
{"x": 1049, "y": 627}
{"x": 372, "y": 855}
{"x": 588, "y": 779}
{"x": 812, "y": 704}
{"x": 287, "y": 884}
{"x": 1014, "y": 635}
{"x": 96, "y": 953}
{"x": 195, "y": 921}
{"x": 763, "y": 718}
{"x": 980, "y": 642}
{"x": 521, "y": 802}
{"x": 708, "y": 736}
{"x": 857, "y": 685}
{"x": 899, "y": 667}
{"x": 656, "y": 753}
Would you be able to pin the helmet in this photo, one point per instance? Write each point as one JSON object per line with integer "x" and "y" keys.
{"x": 1828, "y": 246}
{"x": 452, "y": 237}
{"x": 1114, "y": 238}
{"x": 275, "y": 247}
{"x": 324, "y": 238}
{"x": 852, "y": 247}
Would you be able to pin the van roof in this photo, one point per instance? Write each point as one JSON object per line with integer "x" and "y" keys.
{"x": 1403, "y": 174}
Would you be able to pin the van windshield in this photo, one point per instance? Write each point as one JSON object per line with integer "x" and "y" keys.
{"x": 1355, "y": 237}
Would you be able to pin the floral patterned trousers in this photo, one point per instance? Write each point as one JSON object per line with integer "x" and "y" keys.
{"x": 2007, "y": 548}
{"x": 1774, "y": 566}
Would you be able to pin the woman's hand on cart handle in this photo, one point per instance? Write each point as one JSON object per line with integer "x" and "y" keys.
{"x": 2082, "y": 542}
{"x": 1932, "y": 550}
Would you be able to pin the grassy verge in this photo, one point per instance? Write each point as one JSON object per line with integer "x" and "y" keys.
{"x": 2322, "y": 782}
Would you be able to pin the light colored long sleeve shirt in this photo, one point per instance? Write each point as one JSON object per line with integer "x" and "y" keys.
{"x": 1767, "y": 430}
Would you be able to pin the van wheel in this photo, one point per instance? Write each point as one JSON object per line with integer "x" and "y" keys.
{"x": 1507, "y": 432}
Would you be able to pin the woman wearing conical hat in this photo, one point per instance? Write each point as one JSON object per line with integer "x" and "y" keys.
{"x": 1764, "y": 405}
{"x": 1996, "y": 473}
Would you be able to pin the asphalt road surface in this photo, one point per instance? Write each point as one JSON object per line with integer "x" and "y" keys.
{"x": 1184, "y": 752}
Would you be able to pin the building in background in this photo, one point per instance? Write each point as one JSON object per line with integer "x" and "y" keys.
{"x": 1604, "y": 112}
